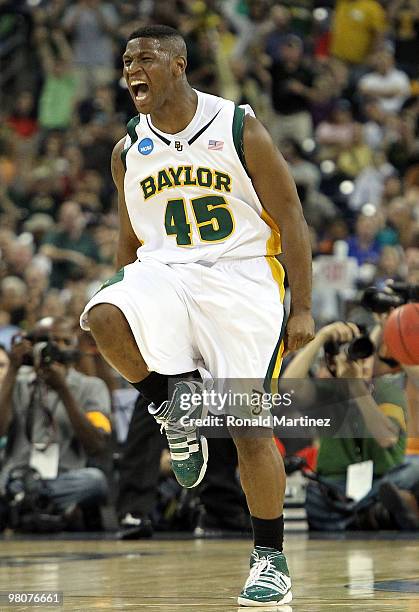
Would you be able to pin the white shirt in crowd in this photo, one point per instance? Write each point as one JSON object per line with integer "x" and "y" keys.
{"x": 380, "y": 85}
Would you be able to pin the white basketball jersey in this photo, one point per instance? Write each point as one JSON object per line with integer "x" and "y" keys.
{"x": 188, "y": 195}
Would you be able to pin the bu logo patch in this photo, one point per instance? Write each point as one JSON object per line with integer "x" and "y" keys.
{"x": 178, "y": 145}
{"x": 145, "y": 146}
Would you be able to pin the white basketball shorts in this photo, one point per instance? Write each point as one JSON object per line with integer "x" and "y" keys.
{"x": 226, "y": 317}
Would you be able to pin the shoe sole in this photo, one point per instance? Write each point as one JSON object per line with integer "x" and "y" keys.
{"x": 204, "y": 447}
{"x": 250, "y": 603}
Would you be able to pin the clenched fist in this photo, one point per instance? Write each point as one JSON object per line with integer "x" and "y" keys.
{"x": 299, "y": 331}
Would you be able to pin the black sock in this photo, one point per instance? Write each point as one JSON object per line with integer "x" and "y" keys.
{"x": 268, "y": 532}
{"x": 154, "y": 388}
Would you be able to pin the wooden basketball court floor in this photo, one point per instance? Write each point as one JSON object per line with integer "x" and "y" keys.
{"x": 206, "y": 575}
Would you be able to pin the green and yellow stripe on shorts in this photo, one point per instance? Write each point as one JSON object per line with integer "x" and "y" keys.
{"x": 274, "y": 368}
{"x": 273, "y": 248}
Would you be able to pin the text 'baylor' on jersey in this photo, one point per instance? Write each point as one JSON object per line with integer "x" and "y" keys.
{"x": 188, "y": 195}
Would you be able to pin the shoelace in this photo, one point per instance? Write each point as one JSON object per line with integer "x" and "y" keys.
{"x": 257, "y": 569}
{"x": 263, "y": 573}
{"x": 176, "y": 432}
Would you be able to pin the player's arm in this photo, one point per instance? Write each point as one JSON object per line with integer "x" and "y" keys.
{"x": 128, "y": 242}
{"x": 278, "y": 195}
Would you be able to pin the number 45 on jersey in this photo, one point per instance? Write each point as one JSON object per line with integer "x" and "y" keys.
{"x": 212, "y": 215}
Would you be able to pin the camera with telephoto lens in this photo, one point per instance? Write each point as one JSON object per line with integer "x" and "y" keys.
{"x": 44, "y": 351}
{"x": 30, "y": 508}
{"x": 380, "y": 301}
{"x": 361, "y": 347}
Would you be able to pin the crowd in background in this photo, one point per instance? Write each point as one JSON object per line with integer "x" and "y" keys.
{"x": 336, "y": 83}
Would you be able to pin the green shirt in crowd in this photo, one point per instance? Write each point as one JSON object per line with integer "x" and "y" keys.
{"x": 57, "y": 101}
{"x": 336, "y": 454}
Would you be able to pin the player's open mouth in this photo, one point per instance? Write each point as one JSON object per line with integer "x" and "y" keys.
{"x": 140, "y": 90}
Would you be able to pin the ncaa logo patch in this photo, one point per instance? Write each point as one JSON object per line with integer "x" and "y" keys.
{"x": 145, "y": 146}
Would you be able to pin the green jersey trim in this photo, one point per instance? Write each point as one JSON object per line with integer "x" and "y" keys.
{"x": 132, "y": 133}
{"x": 116, "y": 278}
{"x": 238, "y": 125}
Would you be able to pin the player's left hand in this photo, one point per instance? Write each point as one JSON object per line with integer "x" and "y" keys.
{"x": 299, "y": 331}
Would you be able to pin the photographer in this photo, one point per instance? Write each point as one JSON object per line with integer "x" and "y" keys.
{"x": 379, "y": 435}
{"x": 56, "y": 419}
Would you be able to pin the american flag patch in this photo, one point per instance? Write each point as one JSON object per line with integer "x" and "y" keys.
{"x": 215, "y": 145}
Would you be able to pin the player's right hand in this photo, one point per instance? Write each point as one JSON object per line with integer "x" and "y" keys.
{"x": 299, "y": 331}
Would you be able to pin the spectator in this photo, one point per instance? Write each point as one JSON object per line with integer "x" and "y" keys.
{"x": 291, "y": 91}
{"x": 20, "y": 254}
{"x": 388, "y": 85}
{"x": 98, "y": 107}
{"x": 355, "y": 157}
{"x": 59, "y": 88}
{"x": 374, "y": 126}
{"x": 363, "y": 245}
{"x": 71, "y": 249}
{"x": 357, "y": 30}
{"x": 400, "y": 216}
{"x": 12, "y": 300}
{"x": 280, "y": 19}
{"x": 324, "y": 96}
{"x": 43, "y": 193}
{"x": 54, "y": 409}
{"x": 317, "y": 207}
{"x": 23, "y": 119}
{"x": 38, "y": 225}
{"x": 337, "y": 131}
{"x": 92, "y": 24}
{"x": 392, "y": 189}
{"x": 389, "y": 267}
{"x": 404, "y": 17}
{"x": 336, "y": 230}
{"x": 53, "y": 305}
{"x": 370, "y": 182}
{"x": 377, "y": 420}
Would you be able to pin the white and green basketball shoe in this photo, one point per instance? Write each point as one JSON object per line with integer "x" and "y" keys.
{"x": 269, "y": 582}
{"x": 188, "y": 449}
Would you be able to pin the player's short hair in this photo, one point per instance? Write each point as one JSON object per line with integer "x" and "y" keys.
{"x": 164, "y": 33}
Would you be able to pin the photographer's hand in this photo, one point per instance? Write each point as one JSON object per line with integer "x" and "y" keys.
{"x": 54, "y": 376}
{"x": 348, "y": 369}
{"x": 302, "y": 362}
{"x": 382, "y": 428}
{"x": 92, "y": 438}
{"x": 339, "y": 332}
{"x": 17, "y": 353}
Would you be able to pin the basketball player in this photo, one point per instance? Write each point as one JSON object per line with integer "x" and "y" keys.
{"x": 203, "y": 193}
